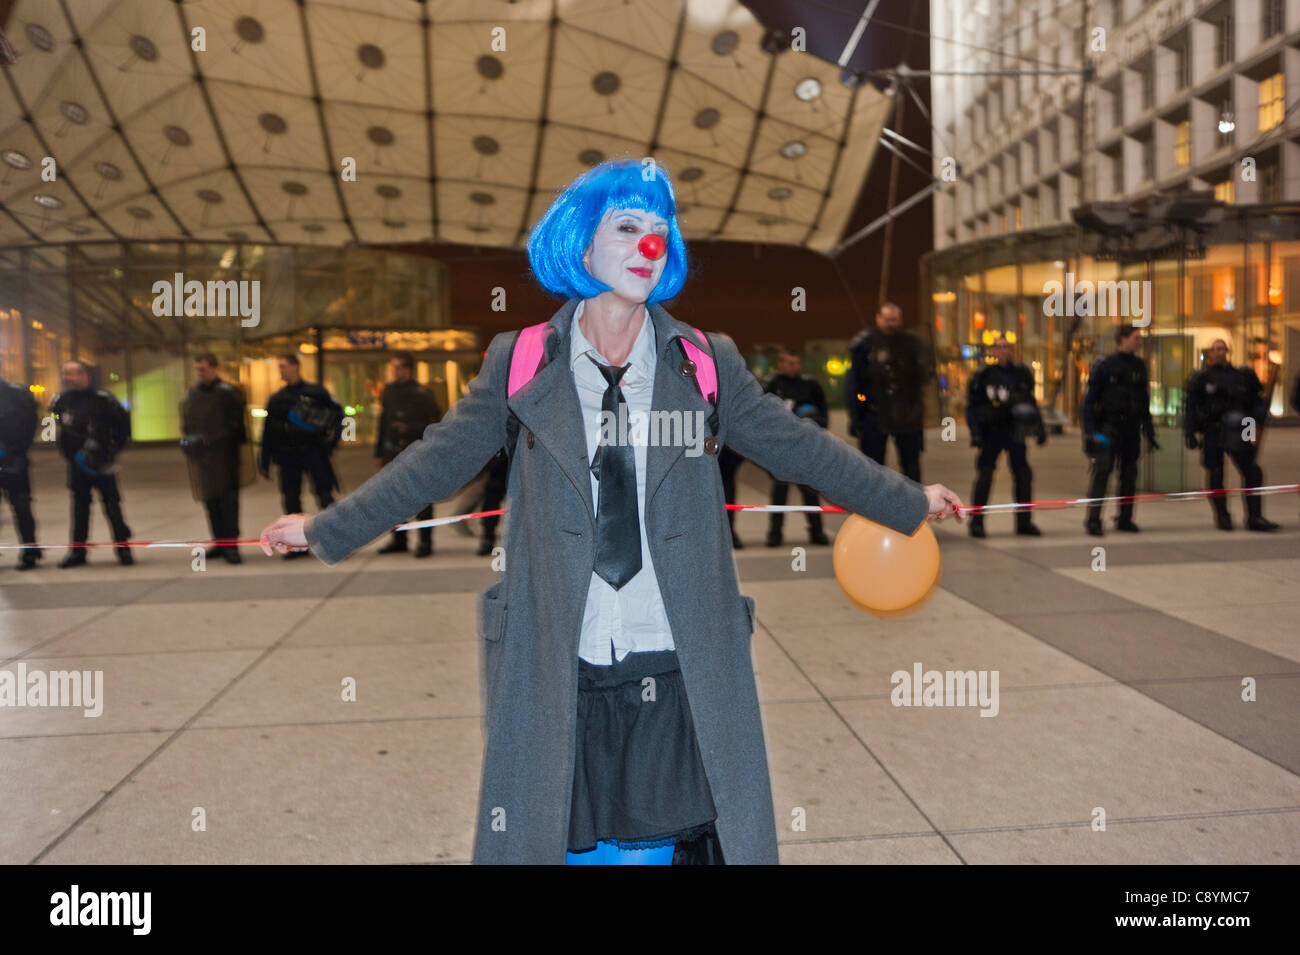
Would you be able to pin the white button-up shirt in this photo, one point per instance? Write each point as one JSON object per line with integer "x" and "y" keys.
{"x": 631, "y": 619}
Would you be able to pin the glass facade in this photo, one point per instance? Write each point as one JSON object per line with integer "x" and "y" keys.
{"x": 1060, "y": 302}
{"x": 139, "y": 311}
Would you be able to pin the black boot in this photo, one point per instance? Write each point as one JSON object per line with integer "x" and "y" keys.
{"x": 124, "y": 556}
{"x": 30, "y": 556}
{"x": 1025, "y": 525}
{"x": 975, "y": 525}
{"x": 1255, "y": 520}
{"x": 75, "y": 557}
{"x": 774, "y": 531}
{"x": 1125, "y": 520}
{"x": 1222, "y": 519}
{"x": 815, "y": 533}
{"x": 395, "y": 546}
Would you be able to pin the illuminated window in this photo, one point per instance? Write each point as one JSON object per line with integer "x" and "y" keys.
{"x": 1183, "y": 143}
{"x": 1224, "y": 191}
{"x": 1020, "y": 218}
{"x": 1223, "y": 290}
{"x": 1272, "y": 102}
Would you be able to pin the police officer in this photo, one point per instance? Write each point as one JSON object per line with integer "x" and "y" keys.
{"x": 1116, "y": 414}
{"x": 408, "y": 408}
{"x": 17, "y": 429}
{"x": 93, "y": 429}
{"x": 803, "y": 396}
{"x": 729, "y": 463}
{"x": 494, "y": 492}
{"x": 212, "y": 418}
{"x": 303, "y": 426}
{"x": 884, "y": 390}
{"x": 1220, "y": 399}
{"x": 1001, "y": 413}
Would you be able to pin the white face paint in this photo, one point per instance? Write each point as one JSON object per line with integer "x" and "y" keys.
{"x": 613, "y": 254}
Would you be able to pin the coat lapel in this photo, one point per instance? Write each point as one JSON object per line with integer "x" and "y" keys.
{"x": 672, "y": 391}
{"x": 548, "y": 407}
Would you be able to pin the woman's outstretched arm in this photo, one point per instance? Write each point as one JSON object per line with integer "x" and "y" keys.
{"x": 448, "y": 455}
{"x": 761, "y": 428}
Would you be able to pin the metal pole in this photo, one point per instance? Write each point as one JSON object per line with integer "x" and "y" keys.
{"x": 889, "y": 202}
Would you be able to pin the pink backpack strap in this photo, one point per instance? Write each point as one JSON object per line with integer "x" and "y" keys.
{"x": 527, "y": 356}
{"x": 706, "y": 372}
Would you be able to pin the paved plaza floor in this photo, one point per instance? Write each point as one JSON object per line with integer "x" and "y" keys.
{"x": 1120, "y": 691}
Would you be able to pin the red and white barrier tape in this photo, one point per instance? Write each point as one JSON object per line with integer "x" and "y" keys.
{"x": 761, "y": 508}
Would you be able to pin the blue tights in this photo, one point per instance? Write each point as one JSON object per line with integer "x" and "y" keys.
{"x": 606, "y": 853}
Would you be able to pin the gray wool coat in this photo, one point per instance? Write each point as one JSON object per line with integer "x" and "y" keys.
{"x": 530, "y": 621}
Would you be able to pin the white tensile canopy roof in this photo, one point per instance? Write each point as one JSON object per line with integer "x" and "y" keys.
{"x": 455, "y": 139}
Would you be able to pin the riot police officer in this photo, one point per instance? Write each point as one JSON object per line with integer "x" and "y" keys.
{"x": 729, "y": 463}
{"x": 803, "y": 396}
{"x": 1220, "y": 400}
{"x": 408, "y": 408}
{"x": 884, "y": 390}
{"x": 17, "y": 429}
{"x": 1001, "y": 413}
{"x": 93, "y": 429}
{"x": 1116, "y": 415}
{"x": 494, "y": 492}
{"x": 212, "y": 418}
{"x": 303, "y": 426}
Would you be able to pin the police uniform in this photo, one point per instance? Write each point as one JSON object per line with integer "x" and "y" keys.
{"x": 17, "y": 429}
{"x": 212, "y": 418}
{"x": 494, "y": 493}
{"x": 805, "y": 398}
{"x": 408, "y": 408}
{"x": 1219, "y": 398}
{"x": 1116, "y": 414}
{"x": 1001, "y": 413}
{"x": 729, "y": 463}
{"x": 93, "y": 429}
{"x": 303, "y": 425}
{"x": 884, "y": 395}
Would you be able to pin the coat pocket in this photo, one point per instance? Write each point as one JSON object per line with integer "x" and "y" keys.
{"x": 491, "y": 613}
{"x": 491, "y": 626}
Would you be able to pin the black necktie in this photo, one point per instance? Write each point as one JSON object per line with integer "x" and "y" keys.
{"x": 618, "y": 530}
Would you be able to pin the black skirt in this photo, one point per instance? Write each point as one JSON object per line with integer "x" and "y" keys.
{"x": 638, "y": 777}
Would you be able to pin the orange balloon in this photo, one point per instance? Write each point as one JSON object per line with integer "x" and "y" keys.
{"x": 884, "y": 572}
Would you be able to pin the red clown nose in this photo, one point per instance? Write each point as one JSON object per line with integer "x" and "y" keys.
{"x": 651, "y": 246}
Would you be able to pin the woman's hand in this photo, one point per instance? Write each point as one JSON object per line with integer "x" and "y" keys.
{"x": 942, "y": 502}
{"x": 285, "y": 534}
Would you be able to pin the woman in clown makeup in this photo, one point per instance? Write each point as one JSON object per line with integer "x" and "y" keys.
{"x": 621, "y": 713}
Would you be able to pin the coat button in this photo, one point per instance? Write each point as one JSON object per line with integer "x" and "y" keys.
{"x": 530, "y": 440}
{"x": 710, "y": 445}
{"x": 687, "y": 368}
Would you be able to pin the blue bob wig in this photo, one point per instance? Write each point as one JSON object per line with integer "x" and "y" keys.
{"x": 557, "y": 243}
